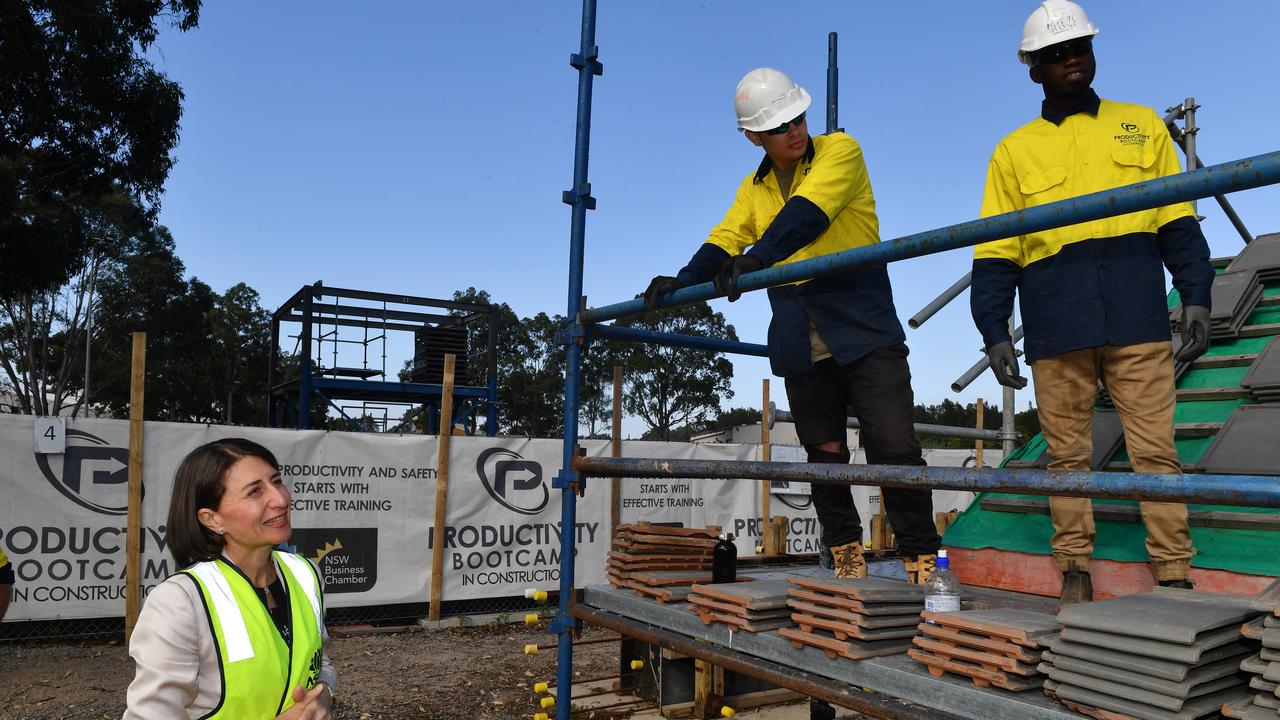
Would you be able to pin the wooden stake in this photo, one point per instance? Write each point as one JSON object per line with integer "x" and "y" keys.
{"x": 442, "y": 487}
{"x": 133, "y": 533}
{"x": 977, "y": 453}
{"x": 708, "y": 688}
{"x": 766, "y": 455}
{"x": 615, "y": 489}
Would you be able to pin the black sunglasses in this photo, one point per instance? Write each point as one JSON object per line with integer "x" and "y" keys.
{"x": 1054, "y": 54}
{"x": 799, "y": 120}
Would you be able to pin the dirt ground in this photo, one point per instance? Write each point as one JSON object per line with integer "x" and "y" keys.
{"x": 452, "y": 674}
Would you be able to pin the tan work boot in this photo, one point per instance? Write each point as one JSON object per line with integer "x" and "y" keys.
{"x": 1077, "y": 587}
{"x": 919, "y": 567}
{"x": 850, "y": 562}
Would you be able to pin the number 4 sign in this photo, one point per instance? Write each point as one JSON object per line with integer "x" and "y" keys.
{"x": 51, "y": 435}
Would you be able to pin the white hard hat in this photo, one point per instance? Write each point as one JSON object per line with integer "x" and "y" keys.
{"x": 766, "y": 98}
{"x": 1053, "y": 22}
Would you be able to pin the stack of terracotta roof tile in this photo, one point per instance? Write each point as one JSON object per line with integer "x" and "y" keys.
{"x": 1263, "y": 666}
{"x": 997, "y": 647}
{"x": 853, "y": 618}
{"x": 1164, "y": 655}
{"x": 660, "y": 561}
{"x": 753, "y": 607}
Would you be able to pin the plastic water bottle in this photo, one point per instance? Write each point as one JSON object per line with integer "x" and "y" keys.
{"x": 942, "y": 589}
{"x": 724, "y": 560}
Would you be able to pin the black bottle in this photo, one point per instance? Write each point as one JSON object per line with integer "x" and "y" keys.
{"x": 724, "y": 560}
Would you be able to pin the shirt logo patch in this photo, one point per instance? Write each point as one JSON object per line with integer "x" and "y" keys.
{"x": 1131, "y": 135}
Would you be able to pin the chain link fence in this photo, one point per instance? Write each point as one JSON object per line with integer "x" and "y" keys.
{"x": 374, "y": 615}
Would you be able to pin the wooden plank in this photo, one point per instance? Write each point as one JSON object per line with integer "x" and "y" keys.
{"x": 1197, "y": 430}
{"x": 1197, "y": 394}
{"x": 615, "y": 485}
{"x": 1249, "y": 331}
{"x": 767, "y": 542}
{"x": 977, "y": 451}
{"x": 1224, "y": 361}
{"x": 442, "y": 488}
{"x": 133, "y": 531}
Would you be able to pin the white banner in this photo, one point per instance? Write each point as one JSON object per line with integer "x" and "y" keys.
{"x": 363, "y": 509}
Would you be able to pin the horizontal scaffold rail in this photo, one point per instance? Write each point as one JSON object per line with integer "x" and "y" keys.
{"x": 1219, "y": 179}
{"x": 1241, "y": 490}
{"x": 613, "y": 332}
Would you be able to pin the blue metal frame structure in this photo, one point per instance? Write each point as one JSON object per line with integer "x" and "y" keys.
{"x": 582, "y": 324}
{"x": 289, "y": 400}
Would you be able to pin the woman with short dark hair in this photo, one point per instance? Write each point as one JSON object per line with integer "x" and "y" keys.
{"x": 238, "y": 632}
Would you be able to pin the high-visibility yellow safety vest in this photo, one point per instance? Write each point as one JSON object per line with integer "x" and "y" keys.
{"x": 259, "y": 669}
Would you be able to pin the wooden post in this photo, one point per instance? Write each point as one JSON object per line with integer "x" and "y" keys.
{"x": 766, "y": 455}
{"x": 708, "y": 689}
{"x": 442, "y": 487}
{"x": 615, "y": 489}
{"x": 977, "y": 453}
{"x": 133, "y": 536}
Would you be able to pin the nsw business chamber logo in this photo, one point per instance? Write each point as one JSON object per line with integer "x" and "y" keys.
{"x": 514, "y": 482}
{"x": 347, "y": 557}
{"x": 93, "y": 473}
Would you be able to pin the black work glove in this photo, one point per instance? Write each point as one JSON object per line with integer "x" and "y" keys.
{"x": 1004, "y": 363}
{"x": 1195, "y": 333}
{"x": 726, "y": 279}
{"x": 660, "y": 285}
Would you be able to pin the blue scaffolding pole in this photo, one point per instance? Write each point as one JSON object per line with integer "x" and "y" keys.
{"x": 582, "y": 324}
{"x": 579, "y": 197}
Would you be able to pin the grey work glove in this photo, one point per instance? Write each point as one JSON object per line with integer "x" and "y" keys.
{"x": 1195, "y": 333}
{"x": 660, "y": 285}
{"x": 1004, "y": 364}
{"x": 726, "y": 279}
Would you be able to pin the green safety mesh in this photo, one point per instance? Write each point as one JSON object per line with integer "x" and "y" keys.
{"x": 1253, "y": 551}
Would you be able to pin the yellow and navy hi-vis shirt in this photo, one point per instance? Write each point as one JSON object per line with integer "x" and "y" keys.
{"x": 830, "y": 208}
{"x": 1094, "y": 283}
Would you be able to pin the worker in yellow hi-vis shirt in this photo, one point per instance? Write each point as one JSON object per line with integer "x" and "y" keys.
{"x": 1092, "y": 294}
{"x": 835, "y": 339}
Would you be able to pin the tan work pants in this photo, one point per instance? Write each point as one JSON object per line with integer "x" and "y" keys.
{"x": 1139, "y": 379}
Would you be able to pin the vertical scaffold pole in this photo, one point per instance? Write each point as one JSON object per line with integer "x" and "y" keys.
{"x": 833, "y": 85}
{"x": 568, "y": 481}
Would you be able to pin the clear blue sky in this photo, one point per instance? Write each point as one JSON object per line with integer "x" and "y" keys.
{"x": 423, "y": 147}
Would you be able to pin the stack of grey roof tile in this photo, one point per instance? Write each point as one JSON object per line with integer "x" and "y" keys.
{"x": 1263, "y": 667}
{"x": 1246, "y": 444}
{"x": 853, "y": 618}
{"x": 751, "y": 607}
{"x": 1234, "y": 296}
{"x": 1263, "y": 255}
{"x": 1263, "y": 379}
{"x": 997, "y": 647}
{"x": 1164, "y": 655}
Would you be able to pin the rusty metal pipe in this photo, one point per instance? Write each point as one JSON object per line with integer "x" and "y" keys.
{"x": 1240, "y": 490}
{"x": 872, "y": 704}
